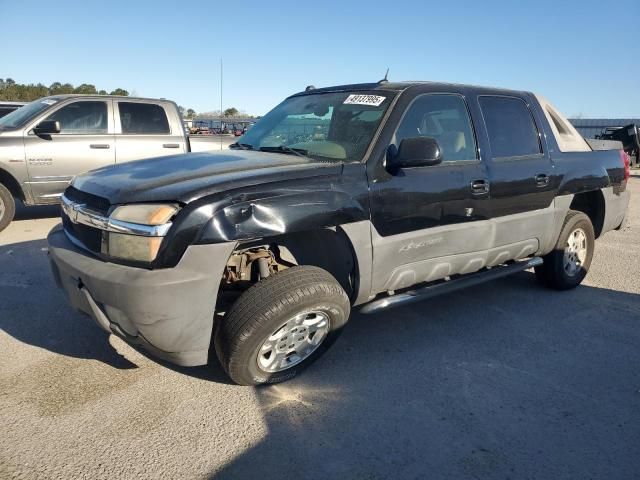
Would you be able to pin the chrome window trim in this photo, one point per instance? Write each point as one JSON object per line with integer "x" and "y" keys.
{"x": 79, "y": 213}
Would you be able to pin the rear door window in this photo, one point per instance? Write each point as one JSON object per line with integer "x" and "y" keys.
{"x": 82, "y": 118}
{"x": 510, "y": 126}
{"x": 143, "y": 118}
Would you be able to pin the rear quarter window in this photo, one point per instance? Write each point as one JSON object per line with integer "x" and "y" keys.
{"x": 510, "y": 126}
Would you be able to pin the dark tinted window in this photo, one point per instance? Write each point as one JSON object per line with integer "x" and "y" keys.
{"x": 443, "y": 117}
{"x": 512, "y": 132}
{"x": 82, "y": 118}
{"x": 143, "y": 118}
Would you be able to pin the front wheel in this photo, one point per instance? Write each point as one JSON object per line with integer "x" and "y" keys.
{"x": 281, "y": 325}
{"x": 7, "y": 207}
{"x": 567, "y": 265}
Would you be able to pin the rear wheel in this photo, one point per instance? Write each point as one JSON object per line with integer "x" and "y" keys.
{"x": 567, "y": 265}
{"x": 281, "y": 325}
{"x": 7, "y": 207}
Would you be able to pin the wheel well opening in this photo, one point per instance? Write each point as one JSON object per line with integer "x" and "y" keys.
{"x": 12, "y": 184}
{"x": 591, "y": 204}
{"x": 329, "y": 249}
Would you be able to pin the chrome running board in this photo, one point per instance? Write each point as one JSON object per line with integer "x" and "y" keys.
{"x": 449, "y": 285}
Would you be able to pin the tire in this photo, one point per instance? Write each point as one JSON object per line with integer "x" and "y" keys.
{"x": 7, "y": 207}
{"x": 280, "y": 307}
{"x": 559, "y": 272}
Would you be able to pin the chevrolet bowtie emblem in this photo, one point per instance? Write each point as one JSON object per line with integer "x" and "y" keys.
{"x": 71, "y": 209}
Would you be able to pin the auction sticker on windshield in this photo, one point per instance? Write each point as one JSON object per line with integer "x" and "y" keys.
{"x": 374, "y": 100}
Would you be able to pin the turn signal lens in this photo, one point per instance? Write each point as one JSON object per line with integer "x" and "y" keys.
{"x": 145, "y": 214}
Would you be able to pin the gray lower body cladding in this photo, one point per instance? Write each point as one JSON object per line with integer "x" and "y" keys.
{"x": 400, "y": 261}
{"x": 169, "y": 312}
{"x": 403, "y": 260}
{"x": 616, "y": 206}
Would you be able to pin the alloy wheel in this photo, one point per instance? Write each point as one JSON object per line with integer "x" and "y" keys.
{"x": 293, "y": 342}
{"x": 575, "y": 252}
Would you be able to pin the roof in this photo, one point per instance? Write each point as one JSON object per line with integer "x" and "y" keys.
{"x": 95, "y": 95}
{"x": 5, "y": 102}
{"x": 399, "y": 86}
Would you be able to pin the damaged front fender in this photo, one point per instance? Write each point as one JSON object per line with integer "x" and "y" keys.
{"x": 282, "y": 214}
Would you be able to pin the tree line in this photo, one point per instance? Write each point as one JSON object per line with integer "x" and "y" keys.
{"x": 10, "y": 90}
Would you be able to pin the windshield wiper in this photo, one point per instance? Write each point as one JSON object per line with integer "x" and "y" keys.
{"x": 301, "y": 152}
{"x": 241, "y": 146}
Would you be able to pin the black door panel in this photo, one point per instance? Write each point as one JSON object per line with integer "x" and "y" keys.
{"x": 425, "y": 197}
{"x": 515, "y": 187}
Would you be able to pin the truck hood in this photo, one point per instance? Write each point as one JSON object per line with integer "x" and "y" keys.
{"x": 188, "y": 177}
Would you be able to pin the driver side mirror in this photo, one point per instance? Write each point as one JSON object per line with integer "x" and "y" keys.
{"x": 47, "y": 127}
{"x": 416, "y": 152}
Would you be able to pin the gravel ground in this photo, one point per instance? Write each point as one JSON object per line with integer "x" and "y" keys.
{"x": 504, "y": 380}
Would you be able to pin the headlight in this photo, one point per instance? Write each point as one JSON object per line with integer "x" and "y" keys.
{"x": 149, "y": 214}
{"x": 140, "y": 230}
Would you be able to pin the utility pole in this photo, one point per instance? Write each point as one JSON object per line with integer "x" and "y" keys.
{"x": 221, "y": 129}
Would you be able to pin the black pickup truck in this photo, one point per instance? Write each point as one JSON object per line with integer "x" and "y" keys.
{"x": 368, "y": 195}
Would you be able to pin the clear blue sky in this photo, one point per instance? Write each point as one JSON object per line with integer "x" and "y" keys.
{"x": 585, "y": 59}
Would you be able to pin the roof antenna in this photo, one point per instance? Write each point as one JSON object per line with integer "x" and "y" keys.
{"x": 385, "y": 80}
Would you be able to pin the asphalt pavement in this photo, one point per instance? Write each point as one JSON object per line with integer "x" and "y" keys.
{"x": 503, "y": 380}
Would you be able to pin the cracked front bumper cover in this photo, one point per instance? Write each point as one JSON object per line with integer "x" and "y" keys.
{"x": 168, "y": 312}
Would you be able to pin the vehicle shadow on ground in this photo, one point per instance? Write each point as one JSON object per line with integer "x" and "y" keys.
{"x": 35, "y": 312}
{"x": 24, "y": 212}
{"x": 503, "y": 380}
{"x": 212, "y": 372}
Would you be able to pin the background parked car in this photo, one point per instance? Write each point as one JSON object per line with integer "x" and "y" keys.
{"x": 45, "y": 143}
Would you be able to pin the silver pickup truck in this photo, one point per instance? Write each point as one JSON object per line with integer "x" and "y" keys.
{"x": 44, "y": 144}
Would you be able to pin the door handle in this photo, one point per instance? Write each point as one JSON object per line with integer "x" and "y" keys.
{"x": 170, "y": 145}
{"x": 542, "y": 180}
{"x": 479, "y": 187}
{"x": 100, "y": 146}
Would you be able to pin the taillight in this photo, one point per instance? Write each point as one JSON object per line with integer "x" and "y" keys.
{"x": 626, "y": 161}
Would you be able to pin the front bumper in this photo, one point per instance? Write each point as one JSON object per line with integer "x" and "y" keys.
{"x": 168, "y": 312}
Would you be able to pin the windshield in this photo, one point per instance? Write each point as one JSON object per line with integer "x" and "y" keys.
{"x": 18, "y": 118}
{"x": 336, "y": 126}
